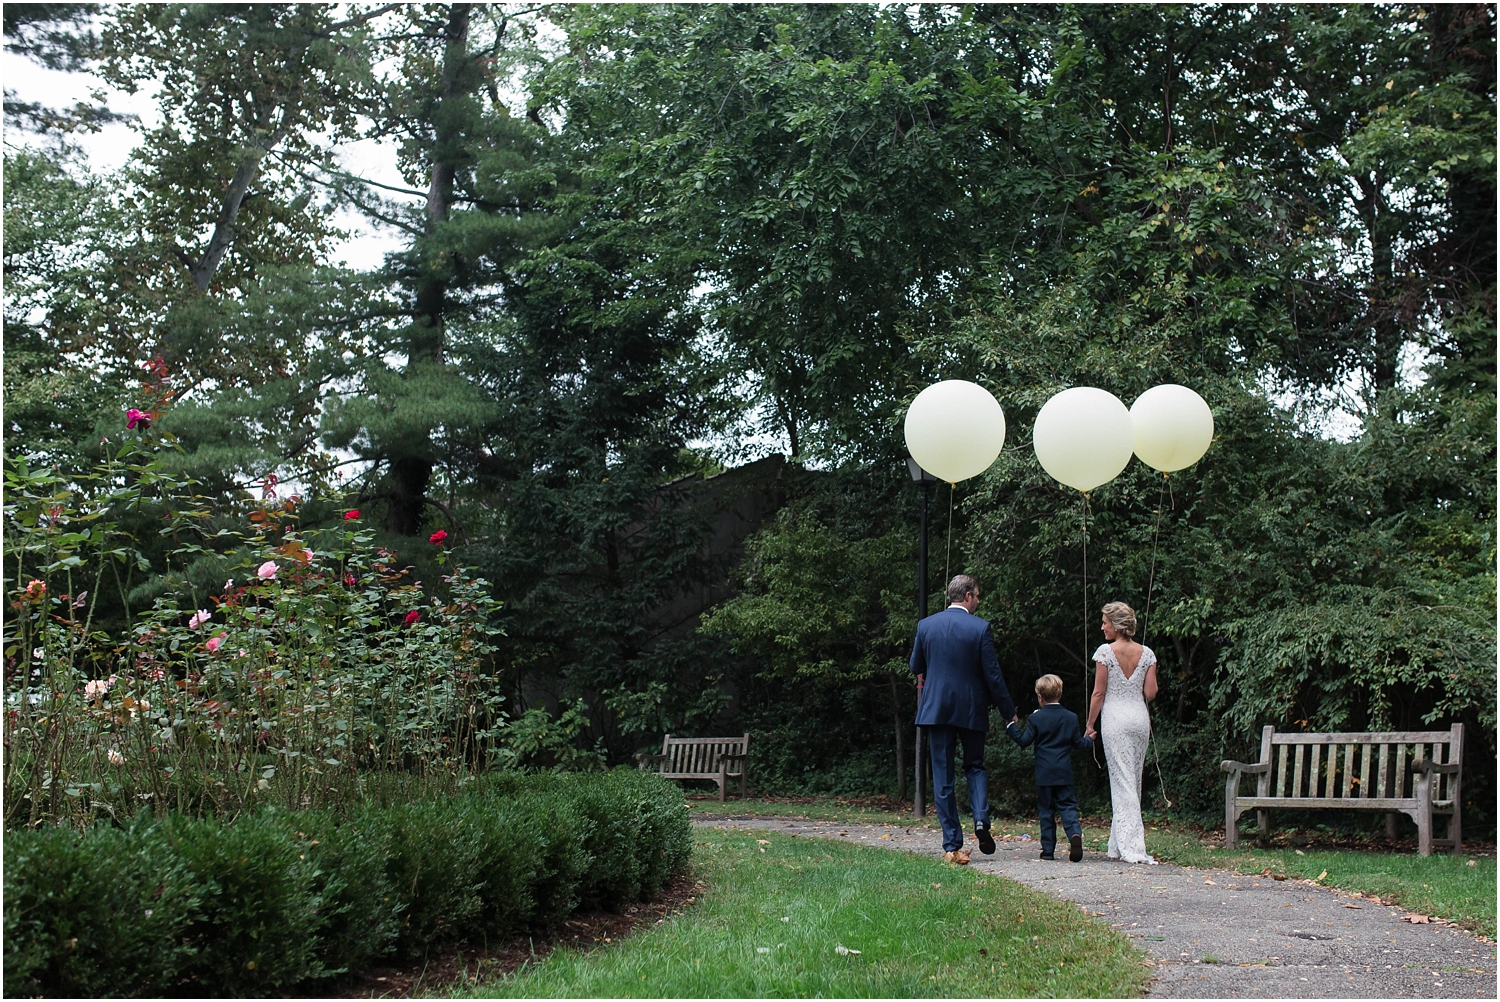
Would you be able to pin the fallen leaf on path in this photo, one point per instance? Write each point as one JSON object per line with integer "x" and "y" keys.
{"x": 763, "y": 841}
{"x": 1211, "y": 883}
{"x": 1417, "y": 919}
{"x": 1355, "y": 907}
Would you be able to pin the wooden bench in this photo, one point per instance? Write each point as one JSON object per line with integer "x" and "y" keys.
{"x": 718, "y": 759}
{"x": 1416, "y": 773}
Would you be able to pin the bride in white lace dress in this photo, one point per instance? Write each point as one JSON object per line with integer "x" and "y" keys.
{"x": 1124, "y": 679}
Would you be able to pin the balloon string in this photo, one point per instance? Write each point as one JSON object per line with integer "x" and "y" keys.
{"x": 1150, "y": 586}
{"x": 1155, "y": 538}
{"x": 948, "y": 552}
{"x": 1088, "y": 677}
{"x": 1086, "y": 586}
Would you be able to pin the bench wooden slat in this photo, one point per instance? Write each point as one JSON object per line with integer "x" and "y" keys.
{"x": 1371, "y": 738}
{"x": 717, "y": 759}
{"x": 1374, "y": 804}
{"x": 1387, "y": 771}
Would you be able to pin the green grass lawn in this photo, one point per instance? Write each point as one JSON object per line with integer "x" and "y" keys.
{"x": 1440, "y": 885}
{"x": 779, "y": 909}
{"x": 1458, "y": 888}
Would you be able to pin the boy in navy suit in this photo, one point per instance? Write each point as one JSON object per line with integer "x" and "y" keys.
{"x": 1055, "y": 733}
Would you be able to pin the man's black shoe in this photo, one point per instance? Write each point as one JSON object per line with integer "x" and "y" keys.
{"x": 1075, "y": 848}
{"x": 1048, "y": 855}
{"x": 986, "y": 840}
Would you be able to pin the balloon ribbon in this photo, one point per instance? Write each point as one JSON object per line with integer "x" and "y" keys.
{"x": 1088, "y": 677}
{"x": 1150, "y": 586}
{"x": 948, "y": 551}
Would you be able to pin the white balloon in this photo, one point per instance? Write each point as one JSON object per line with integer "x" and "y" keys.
{"x": 1083, "y": 437}
{"x": 1173, "y": 427}
{"x": 954, "y": 429}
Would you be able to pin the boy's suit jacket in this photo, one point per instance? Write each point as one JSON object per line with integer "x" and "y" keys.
{"x": 1055, "y": 733}
{"x": 956, "y": 651}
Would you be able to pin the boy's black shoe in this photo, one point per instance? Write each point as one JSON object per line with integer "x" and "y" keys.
{"x": 1075, "y": 848}
{"x": 986, "y": 840}
{"x": 1048, "y": 855}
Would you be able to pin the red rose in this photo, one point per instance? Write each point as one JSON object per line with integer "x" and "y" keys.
{"x": 412, "y": 617}
{"x": 351, "y": 514}
{"x": 135, "y": 417}
{"x": 349, "y": 581}
{"x": 437, "y": 538}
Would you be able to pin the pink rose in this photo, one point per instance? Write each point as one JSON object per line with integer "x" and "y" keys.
{"x": 135, "y": 417}
{"x": 349, "y": 581}
{"x": 199, "y": 618}
{"x": 214, "y": 642}
{"x": 267, "y": 571}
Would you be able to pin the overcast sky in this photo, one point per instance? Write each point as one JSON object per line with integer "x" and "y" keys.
{"x": 109, "y": 149}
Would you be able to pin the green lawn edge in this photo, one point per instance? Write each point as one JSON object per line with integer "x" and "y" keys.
{"x": 778, "y": 907}
{"x": 1458, "y": 889}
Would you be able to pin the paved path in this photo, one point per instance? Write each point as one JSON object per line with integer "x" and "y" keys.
{"x": 1266, "y": 938}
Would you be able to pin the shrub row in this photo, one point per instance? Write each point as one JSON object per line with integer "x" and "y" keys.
{"x": 204, "y": 907}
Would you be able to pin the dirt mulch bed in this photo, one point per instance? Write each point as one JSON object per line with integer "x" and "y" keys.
{"x": 471, "y": 964}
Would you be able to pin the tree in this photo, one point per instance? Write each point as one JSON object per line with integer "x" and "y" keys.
{"x": 59, "y": 36}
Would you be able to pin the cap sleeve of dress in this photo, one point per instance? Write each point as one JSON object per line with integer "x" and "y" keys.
{"x": 1148, "y": 657}
{"x": 1103, "y": 653}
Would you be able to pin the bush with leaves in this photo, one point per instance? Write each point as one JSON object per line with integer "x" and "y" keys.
{"x": 316, "y": 664}
{"x": 277, "y": 898}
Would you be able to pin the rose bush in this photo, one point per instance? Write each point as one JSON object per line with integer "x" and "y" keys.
{"x": 318, "y": 667}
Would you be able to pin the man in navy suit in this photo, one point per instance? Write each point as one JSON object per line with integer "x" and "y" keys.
{"x": 956, "y": 651}
{"x": 1054, "y": 731}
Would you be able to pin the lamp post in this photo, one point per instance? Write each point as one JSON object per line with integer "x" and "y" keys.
{"x": 926, "y": 480}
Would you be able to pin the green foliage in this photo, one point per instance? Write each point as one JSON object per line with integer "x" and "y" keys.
{"x": 712, "y": 221}
{"x": 316, "y": 664}
{"x": 276, "y": 898}
{"x": 810, "y": 596}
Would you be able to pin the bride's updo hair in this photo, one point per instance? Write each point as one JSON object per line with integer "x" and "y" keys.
{"x": 1121, "y": 617}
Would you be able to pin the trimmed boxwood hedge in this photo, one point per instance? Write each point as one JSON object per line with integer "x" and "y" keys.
{"x": 204, "y": 907}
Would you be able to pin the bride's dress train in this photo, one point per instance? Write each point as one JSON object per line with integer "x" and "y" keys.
{"x": 1126, "y": 732}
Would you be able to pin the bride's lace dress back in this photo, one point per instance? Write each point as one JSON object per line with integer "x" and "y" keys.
{"x": 1126, "y": 730}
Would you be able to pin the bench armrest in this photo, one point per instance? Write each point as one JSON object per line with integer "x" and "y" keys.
{"x": 1230, "y": 765}
{"x": 1451, "y": 768}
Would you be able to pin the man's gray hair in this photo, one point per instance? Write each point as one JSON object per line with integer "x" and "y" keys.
{"x": 960, "y": 586}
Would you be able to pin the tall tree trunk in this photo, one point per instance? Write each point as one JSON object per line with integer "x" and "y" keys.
{"x": 411, "y": 471}
{"x": 1382, "y": 298}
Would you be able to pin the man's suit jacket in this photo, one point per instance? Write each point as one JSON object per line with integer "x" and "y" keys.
{"x": 956, "y": 651}
{"x": 1055, "y": 733}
